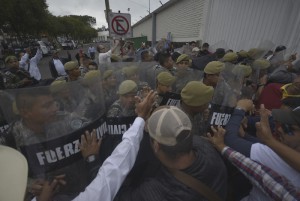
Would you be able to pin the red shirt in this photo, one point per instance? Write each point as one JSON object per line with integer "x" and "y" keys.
{"x": 271, "y": 96}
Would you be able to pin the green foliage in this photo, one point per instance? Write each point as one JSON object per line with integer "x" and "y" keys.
{"x": 31, "y": 17}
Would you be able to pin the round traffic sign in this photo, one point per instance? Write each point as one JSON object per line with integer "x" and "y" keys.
{"x": 120, "y": 25}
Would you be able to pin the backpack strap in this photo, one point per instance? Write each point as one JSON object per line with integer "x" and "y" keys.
{"x": 195, "y": 184}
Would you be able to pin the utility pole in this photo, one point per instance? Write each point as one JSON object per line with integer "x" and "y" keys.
{"x": 107, "y": 11}
{"x": 149, "y": 7}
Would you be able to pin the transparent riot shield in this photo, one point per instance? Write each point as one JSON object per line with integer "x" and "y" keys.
{"x": 46, "y": 124}
{"x": 148, "y": 71}
{"x": 141, "y": 73}
{"x": 183, "y": 76}
{"x": 225, "y": 97}
{"x": 120, "y": 101}
{"x": 264, "y": 46}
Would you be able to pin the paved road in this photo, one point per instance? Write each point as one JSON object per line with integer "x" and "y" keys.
{"x": 44, "y": 63}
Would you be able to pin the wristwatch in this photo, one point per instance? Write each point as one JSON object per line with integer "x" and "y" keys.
{"x": 91, "y": 158}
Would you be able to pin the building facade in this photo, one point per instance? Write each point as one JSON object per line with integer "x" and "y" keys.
{"x": 232, "y": 24}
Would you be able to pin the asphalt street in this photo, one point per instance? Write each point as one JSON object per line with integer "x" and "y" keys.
{"x": 44, "y": 63}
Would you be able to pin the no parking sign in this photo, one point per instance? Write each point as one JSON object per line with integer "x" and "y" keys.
{"x": 120, "y": 25}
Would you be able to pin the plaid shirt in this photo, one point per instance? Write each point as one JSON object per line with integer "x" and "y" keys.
{"x": 270, "y": 182}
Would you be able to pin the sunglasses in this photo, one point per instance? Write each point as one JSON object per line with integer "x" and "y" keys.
{"x": 285, "y": 93}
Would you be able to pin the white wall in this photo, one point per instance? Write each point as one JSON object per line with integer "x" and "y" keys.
{"x": 183, "y": 19}
{"x": 242, "y": 24}
{"x": 234, "y": 24}
{"x": 143, "y": 29}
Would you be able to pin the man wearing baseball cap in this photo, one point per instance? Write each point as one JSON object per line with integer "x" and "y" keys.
{"x": 179, "y": 152}
{"x": 195, "y": 97}
{"x": 72, "y": 70}
{"x": 212, "y": 73}
{"x": 164, "y": 82}
{"x": 124, "y": 106}
{"x": 14, "y": 76}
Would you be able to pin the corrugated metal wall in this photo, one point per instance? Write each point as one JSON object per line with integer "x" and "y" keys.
{"x": 243, "y": 23}
{"x": 143, "y": 29}
{"x": 235, "y": 24}
{"x": 182, "y": 19}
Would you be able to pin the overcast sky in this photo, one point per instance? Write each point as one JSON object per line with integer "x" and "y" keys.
{"x": 95, "y": 8}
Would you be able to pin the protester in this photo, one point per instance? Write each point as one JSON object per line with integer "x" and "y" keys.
{"x": 56, "y": 65}
{"x": 104, "y": 55}
{"x": 204, "y": 50}
{"x": 199, "y": 63}
{"x": 272, "y": 184}
{"x": 165, "y": 64}
{"x": 146, "y": 56}
{"x": 180, "y": 152}
{"x": 30, "y": 63}
{"x": 259, "y": 152}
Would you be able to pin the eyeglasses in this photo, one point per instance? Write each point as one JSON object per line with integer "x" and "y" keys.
{"x": 285, "y": 93}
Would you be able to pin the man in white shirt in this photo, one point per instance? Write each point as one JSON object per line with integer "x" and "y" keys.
{"x": 30, "y": 63}
{"x": 104, "y": 55}
{"x": 56, "y": 65}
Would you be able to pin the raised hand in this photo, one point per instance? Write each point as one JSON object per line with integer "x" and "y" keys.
{"x": 89, "y": 145}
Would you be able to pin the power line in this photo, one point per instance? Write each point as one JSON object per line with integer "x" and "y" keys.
{"x": 137, "y": 3}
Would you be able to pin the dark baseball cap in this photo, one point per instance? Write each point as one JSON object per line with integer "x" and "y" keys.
{"x": 285, "y": 116}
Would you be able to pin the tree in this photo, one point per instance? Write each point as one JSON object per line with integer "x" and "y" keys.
{"x": 25, "y": 18}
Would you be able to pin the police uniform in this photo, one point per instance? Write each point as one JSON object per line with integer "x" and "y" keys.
{"x": 90, "y": 106}
{"x": 75, "y": 173}
{"x": 65, "y": 123}
{"x": 13, "y": 78}
{"x": 116, "y": 110}
{"x": 110, "y": 96}
{"x": 158, "y": 69}
{"x": 196, "y": 94}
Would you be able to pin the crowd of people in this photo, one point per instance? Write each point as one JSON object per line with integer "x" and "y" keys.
{"x": 156, "y": 124}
